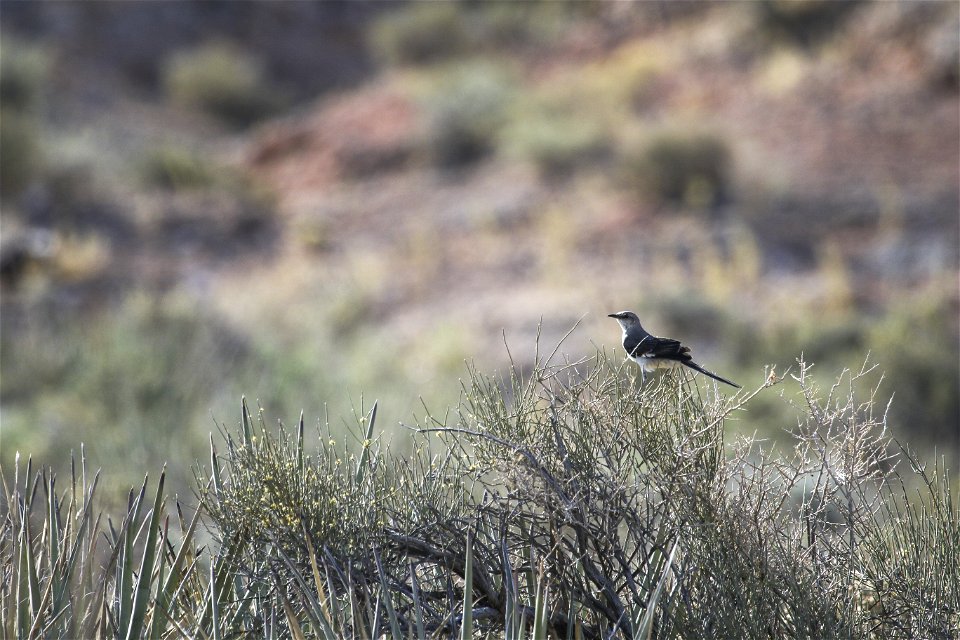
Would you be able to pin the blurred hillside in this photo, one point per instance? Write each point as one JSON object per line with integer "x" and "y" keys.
{"x": 306, "y": 201}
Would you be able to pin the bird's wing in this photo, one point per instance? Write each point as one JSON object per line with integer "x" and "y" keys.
{"x": 654, "y": 347}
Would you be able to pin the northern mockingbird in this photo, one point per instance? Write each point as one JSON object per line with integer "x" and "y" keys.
{"x": 652, "y": 353}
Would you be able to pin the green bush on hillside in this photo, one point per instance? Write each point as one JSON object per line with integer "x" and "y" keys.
{"x": 556, "y": 145}
{"x": 920, "y": 344}
{"x": 465, "y": 110}
{"x": 681, "y": 169}
{"x": 223, "y": 80}
{"x": 803, "y": 23}
{"x": 21, "y": 153}
{"x": 176, "y": 168}
{"x": 420, "y": 32}
{"x": 23, "y": 74}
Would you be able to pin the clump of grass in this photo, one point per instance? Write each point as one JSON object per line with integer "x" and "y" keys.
{"x": 68, "y": 572}
{"x": 223, "y": 80}
{"x": 342, "y": 496}
{"x": 909, "y": 562}
{"x": 338, "y": 525}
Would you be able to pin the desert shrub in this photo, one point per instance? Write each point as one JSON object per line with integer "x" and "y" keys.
{"x": 566, "y": 500}
{"x": 430, "y": 32}
{"x": 533, "y": 26}
{"x": 918, "y": 346}
{"x": 681, "y": 169}
{"x": 557, "y": 126}
{"x": 573, "y": 526}
{"x": 176, "y": 168}
{"x": 70, "y": 571}
{"x": 908, "y": 560}
{"x": 23, "y": 73}
{"x": 571, "y": 500}
{"x": 943, "y": 57}
{"x": 556, "y": 145}
{"x": 222, "y": 80}
{"x": 465, "y": 109}
{"x": 420, "y": 32}
{"x": 21, "y": 153}
{"x": 803, "y": 23}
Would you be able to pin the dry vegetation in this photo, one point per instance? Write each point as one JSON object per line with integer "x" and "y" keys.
{"x": 565, "y": 503}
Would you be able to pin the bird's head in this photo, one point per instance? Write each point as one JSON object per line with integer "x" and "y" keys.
{"x": 626, "y": 319}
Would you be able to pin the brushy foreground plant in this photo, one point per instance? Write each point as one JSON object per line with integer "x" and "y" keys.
{"x": 564, "y": 502}
{"x": 69, "y": 573}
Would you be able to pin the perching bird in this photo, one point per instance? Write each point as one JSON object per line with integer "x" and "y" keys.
{"x": 652, "y": 353}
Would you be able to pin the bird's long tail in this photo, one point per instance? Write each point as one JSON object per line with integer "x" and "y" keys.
{"x": 696, "y": 367}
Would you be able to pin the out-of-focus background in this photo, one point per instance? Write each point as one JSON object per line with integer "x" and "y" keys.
{"x": 307, "y": 202}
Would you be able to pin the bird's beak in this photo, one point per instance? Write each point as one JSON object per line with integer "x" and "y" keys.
{"x": 613, "y": 315}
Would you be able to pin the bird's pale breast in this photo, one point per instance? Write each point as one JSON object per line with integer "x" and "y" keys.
{"x": 652, "y": 364}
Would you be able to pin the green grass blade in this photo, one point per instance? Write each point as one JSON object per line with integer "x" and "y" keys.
{"x": 24, "y": 616}
{"x": 365, "y": 450}
{"x": 387, "y": 597}
{"x": 295, "y": 629}
{"x": 245, "y": 419}
{"x": 326, "y": 622}
{"x": 418, "y": 604}
{"x": 299, "y": 446}
{"x": 33, "y": 579}
{"x": 645, "y": 628}
{"x": 215, "y": 469}
{"x": 174, "y": 578}
{"x": 145, "y": 577}
{"x": 315, "y": 609}
{"x": 53, "y": 523}
{"x": 219, "y": 584}
{"x": 214, "y": 604}
{"x": 511, "y": 619}
{"x": 540, "y": 612}
{"x": 124, "y": 595}
{"x": 160, "y": 604}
